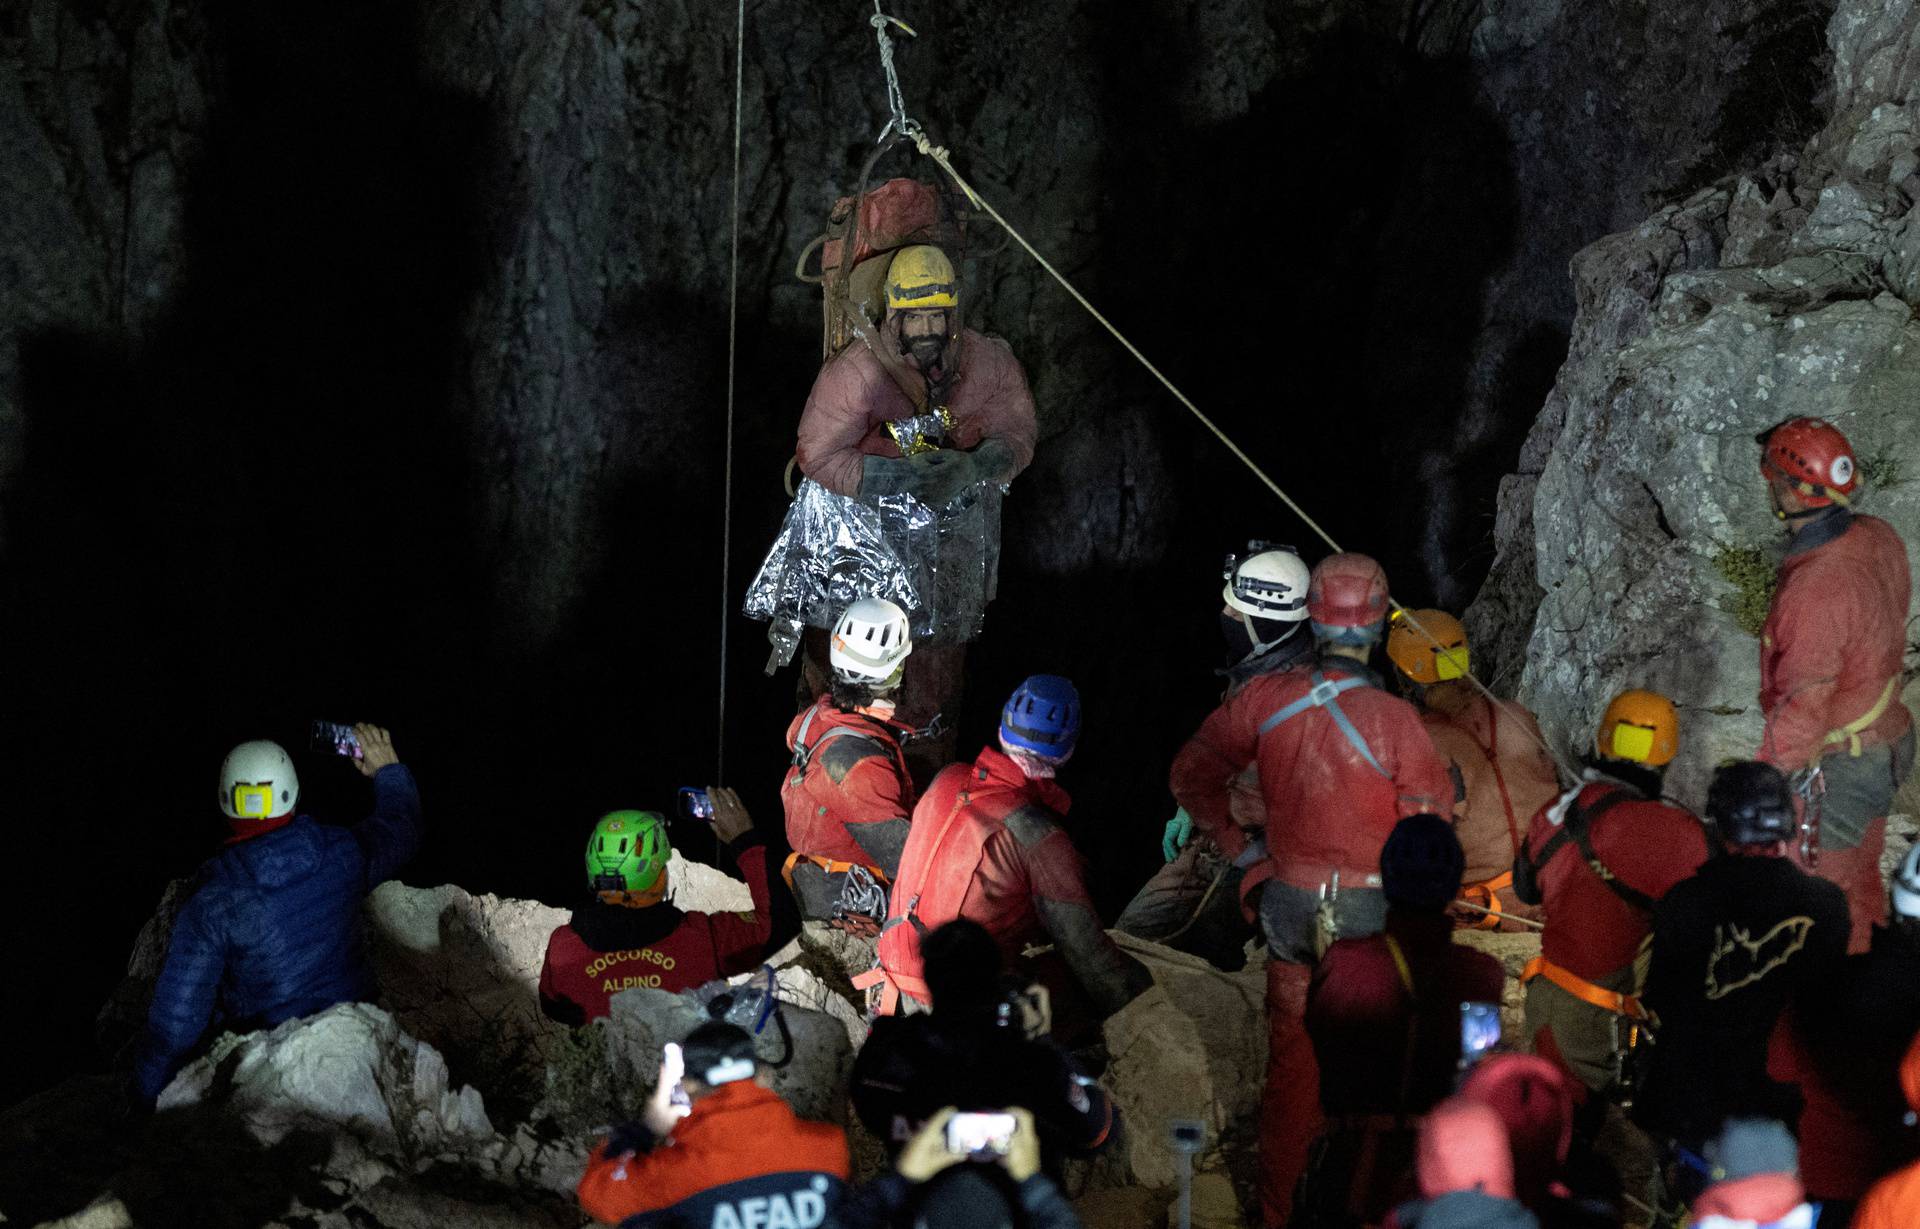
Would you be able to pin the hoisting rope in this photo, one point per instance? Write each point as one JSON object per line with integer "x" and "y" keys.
{"x": 904, "y": 124}
{"x": 733, "y": 329}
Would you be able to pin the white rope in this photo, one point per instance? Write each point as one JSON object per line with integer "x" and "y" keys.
{"x": 733, "y": 323}
{"x": 944, "y": 161}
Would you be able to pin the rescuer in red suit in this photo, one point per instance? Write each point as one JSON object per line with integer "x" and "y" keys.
{"x": 847, "y": 793}
{"x": 987, "y": 844}
{"x": 1341, "y": 762}
{"x": 1384, "y": 1015}
{"x": 626, "y": 936}
{"x": 1831, "y": 655}
{"x": 1583, "y": 990}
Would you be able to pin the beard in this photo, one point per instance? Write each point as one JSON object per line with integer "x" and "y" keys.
{"x": 926, "y": 352}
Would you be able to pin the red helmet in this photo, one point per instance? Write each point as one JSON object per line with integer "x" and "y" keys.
{"x": 1347, "y": 590}
{"x": 1813, "y": 455}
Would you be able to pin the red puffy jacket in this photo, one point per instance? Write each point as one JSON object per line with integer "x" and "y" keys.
{"x": 1834, "y": 637}
{"x": 1328, "y": 808}
{"x": 1648, "y": 845}
{"x": 986, "y": 845}
{"x": 853, "y": 399}
{"x": 610, "y": 948}
{"x": 849, "y": 779}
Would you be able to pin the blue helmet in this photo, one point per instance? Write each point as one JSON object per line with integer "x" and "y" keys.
{"x": 1043, "y": 717}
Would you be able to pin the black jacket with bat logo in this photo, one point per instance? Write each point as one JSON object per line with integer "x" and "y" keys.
{"x": 1732, "y": 947}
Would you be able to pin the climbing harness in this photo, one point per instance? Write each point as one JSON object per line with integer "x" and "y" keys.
{"x": 902, "y": 123}
{"x": 1324, "y": 696}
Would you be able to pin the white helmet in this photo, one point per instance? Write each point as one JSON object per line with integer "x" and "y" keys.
{"x": 257, "y": 781}
{"x": 1270, "y": 582}
{"x": 1906, "y": 885}
{"x": 873, "y": 638}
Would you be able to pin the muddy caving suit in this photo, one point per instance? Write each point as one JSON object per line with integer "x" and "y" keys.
{"x": 1831, "y": 656}
{"x": 849, "y": 416}
{"x": 1341, "y": 762}
{"x": 848, "y": 798}
{"x": 1505, "y": 774}
{"x": 1598, "y": 859}
{"x": 986, "y": 844}
{"x": 1174, "y": 907}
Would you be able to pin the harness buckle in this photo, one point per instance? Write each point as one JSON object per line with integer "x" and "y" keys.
{"x": 1324, "y": 692}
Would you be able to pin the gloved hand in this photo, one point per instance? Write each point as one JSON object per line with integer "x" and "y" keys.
{"x": 1179, "y": 832}
{"x": 943, "y": 474}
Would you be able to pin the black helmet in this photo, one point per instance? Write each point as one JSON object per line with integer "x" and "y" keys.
{"x": 1750, "y": 804}
{"x": 1421, "y": 863}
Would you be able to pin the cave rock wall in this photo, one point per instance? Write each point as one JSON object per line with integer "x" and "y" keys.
{"x": 1638, "y": 523}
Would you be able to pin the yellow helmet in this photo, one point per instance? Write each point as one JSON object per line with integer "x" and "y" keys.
{"x": 921, "y": 276}
{"x": 1433, "y": 652}
{"x": 1641, "y": 726}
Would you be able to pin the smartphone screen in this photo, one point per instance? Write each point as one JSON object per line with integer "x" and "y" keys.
{"x": 980, "y": 1135}
{"x": 336, "y": 737}
{"x": 1479, "y": 1031}
{"x": 696, "y": 804}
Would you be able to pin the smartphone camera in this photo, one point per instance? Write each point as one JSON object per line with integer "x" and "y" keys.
{"x": 1187, "y": 1135}
{"x": 336, "y": 737}
{"x": 980, "y": 1136}
{"x": 695, "y": 804}
{"x": 1479, "y": 1031}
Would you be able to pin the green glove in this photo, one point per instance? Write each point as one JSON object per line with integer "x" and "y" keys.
{"x": 1179, "y": 832}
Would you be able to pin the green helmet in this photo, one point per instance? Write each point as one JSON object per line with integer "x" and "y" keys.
{"x": 627, "y": 852}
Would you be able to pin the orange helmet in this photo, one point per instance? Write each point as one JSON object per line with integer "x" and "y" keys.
{"x": 1428, "y": 646}
{"x": 1641, "y": 726}
{"x": 1812, "y": 454}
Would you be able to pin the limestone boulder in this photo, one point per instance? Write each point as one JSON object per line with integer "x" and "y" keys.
{"x": 1192, "y": 1047}
{"x": 1636, "y": 547}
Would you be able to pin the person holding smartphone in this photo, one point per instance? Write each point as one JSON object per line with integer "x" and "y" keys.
{"x": 964, "y": 1171}
{"x": 726, "y": 1151}
{"x": 272, "y": 929}
{"x": 627, "y": 936}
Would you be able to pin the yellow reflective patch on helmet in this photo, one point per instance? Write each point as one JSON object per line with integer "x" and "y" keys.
{"x": 253, "y": 801}
{"x": 1632, "y": 742}
{"x": 1450, "y": 663}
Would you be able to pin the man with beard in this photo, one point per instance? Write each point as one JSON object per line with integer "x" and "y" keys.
{"x": 928, "y": 408}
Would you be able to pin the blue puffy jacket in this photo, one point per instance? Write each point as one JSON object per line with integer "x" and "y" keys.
{"x": 272, "y": 930}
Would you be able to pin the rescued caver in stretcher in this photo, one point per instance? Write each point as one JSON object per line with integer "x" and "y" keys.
{"x": 940, "y": 567}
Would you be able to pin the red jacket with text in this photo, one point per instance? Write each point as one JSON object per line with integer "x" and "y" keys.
{"x": 741, "y": 1146}
{"x": 609, "y": 948}
{"x": 986, "y": 844}
{"x": 853, "y": 780}
{"x": 1648, "y": 845}
{"x": 1835, "y": 635}
{"x": 853, "y": 399}
{"x": 1328, "y": 807}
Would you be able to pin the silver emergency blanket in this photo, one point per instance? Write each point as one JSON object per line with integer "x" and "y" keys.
{"x": 940, "y": 567}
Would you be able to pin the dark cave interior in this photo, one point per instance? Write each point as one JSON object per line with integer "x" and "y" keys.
{"x": 272, "y": 504}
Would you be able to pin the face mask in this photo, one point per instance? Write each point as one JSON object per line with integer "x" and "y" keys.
{"x": 1238, "y": 637}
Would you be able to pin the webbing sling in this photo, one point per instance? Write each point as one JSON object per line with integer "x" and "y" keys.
{"x": 1323, "y": 697}
{"x": 1578, "y": 829}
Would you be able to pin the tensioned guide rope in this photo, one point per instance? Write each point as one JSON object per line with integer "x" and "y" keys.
{"x": 733, "y": 329}
{"x": 908, "y": 127}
